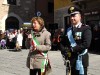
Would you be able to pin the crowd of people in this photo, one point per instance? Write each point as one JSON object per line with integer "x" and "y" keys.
{"x": 14, "y": 39}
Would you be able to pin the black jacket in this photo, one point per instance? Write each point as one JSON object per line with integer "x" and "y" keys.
{"x": 83, "y": 42}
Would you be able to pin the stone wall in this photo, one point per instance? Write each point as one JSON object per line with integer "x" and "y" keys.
{"x": 24, "y": 10}
{"x": 59, "y": 16}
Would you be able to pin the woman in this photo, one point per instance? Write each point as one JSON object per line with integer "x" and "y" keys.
{"x": 19, "y": 40}
{"x": 37, "y": 60}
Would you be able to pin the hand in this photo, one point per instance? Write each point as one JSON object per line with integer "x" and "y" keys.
{"x": 32, "y": 48}
{"x": 71, "y": 49}
{"x": 66, "y": 52}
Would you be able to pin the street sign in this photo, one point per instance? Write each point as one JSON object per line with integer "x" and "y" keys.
{"x": 38, "y": 13}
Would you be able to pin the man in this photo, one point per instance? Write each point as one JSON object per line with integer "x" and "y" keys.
{"x": 78, "y": 39}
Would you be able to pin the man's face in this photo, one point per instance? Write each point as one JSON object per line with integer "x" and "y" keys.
{"x": 75, "y": 18}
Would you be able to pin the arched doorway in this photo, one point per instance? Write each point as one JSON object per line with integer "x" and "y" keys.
{"x": 12, "y": 23}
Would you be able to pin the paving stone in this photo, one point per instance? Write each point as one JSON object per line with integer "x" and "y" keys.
{"x": 14, "y": 63}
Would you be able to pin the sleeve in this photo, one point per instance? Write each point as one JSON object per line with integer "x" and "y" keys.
{"x": 86, "y": 40}
{"x": 47, "y": 44}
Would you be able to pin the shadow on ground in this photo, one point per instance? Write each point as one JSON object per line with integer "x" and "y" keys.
{"x": 13, "y": 50}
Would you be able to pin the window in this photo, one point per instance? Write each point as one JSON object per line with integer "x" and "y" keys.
{"x": 11, "y": 2}
{"x": 50, "y": 7}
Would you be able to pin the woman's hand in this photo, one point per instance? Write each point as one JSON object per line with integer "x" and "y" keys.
{"x": 32, "y": 48}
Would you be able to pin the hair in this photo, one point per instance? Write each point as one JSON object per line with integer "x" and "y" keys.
{"x": 39, "y": 20}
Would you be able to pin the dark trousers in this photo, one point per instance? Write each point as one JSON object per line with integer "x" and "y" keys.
{"x": 76, "y": 72}
{"x": 35, "y": 71}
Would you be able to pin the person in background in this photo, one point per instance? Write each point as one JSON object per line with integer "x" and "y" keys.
{"x": 10, "y": 40}
{"x": 56, "y": 39}
{"x": 38, "y": 61}
{"x": 24, "y": 38}
{"x": 78, "y": 38}
{"x": 19, "y": 40}
{"x": 15, "y": 38}
{"x": 27, "y": 41}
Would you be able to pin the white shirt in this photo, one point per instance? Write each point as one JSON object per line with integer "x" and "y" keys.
{"x": 78, "y": 25}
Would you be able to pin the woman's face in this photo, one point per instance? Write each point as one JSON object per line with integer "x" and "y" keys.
{"x": 36, "y": 25}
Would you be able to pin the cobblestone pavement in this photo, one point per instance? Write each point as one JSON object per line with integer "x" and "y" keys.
{"x": 94, "y": 64}
{"x": 14, "y": 63}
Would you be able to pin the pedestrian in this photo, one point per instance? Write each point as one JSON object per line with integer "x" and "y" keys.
{"x": 38, "y": 61}
{"x": 56, "y": 39}
{"x": 75, "y": 43}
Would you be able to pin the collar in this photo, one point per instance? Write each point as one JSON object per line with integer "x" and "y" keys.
{"x": 78, "y": 25}
{"x": 43, "y": 29}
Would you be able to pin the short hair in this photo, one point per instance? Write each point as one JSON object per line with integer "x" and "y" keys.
{"x": 39, "y": 20}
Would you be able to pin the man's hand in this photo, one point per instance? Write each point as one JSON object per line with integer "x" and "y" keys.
{"x": 66, "y": 52}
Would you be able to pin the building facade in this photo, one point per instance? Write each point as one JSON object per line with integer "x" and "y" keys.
{"x": 46, "y": 7}
{"x": 13, "y": 13}
{"x": 91, "y": 10}
{"x": 61, "y": 16}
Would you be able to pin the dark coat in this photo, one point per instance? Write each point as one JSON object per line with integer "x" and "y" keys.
{"x": 83, "y": 42}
